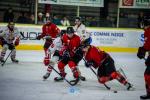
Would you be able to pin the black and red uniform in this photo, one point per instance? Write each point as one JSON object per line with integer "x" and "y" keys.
{"x": 105, "y": 64}
{"x": 141, "y": 54}
{"x": 51, "y": 30}
{"x": 147, "y": 62}
{"x": 68, "y": 54}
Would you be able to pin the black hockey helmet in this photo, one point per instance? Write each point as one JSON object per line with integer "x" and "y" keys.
{"x": 70, "y": 30}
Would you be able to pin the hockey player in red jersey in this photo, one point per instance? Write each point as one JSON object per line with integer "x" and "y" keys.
{"x": 70, "y": 42}
{"x": 141, "y": 54}
{"x": 10, "y": 38}
{"x": 49, "y": 31}
{"x": 105, "y": 64}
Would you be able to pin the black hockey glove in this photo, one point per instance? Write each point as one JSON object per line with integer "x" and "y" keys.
{"x": 11, "y": 46}
{"x": 66, "y": 55}
{"x": 79, "y": 51}
{"x": 141, "y": 52}
{"x": 88, "y": 64}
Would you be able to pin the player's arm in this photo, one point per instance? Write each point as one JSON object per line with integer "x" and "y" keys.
{"x": 42, "y": 34}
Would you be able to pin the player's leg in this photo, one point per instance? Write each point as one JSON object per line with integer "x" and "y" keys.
{"x": 53, "y": 61}
{"x": 147, "y": 80}
{"x": 77, "y": 58}
{"x": 61, "y": 66}
{"x": 3, "y": 52}
{"x": 13, "y": 54}
{"x": 74, "y": 69}
{"x": 105, "y": 70}
{"x": 47, "y": 45}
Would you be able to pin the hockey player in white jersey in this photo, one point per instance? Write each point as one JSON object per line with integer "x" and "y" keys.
{"x": 54, "y": 52}
{"x": 9, "y": 38}
{"x": 80, "y": 29}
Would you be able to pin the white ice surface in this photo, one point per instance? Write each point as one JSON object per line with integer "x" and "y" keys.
{"x": 23, "y": 81}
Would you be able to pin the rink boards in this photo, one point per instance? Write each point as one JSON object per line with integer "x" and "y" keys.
{"x": 108, "y": 39}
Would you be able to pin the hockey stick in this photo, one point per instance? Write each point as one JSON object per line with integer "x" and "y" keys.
{"x": 6, "y": 58}
{"x": 69, "y": 82}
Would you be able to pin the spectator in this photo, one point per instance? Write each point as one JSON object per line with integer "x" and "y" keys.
{"x": 108, "y": 22}
{"x": 40, "y": 18}
{"x": 8, "y": 15}
{"x": 93, "y": 22}
{"x": 31, "y": 19}
{"x": 22, "y": 18}
{"x": 140, "y": 20}
{"x": 56, "y": 20}
{"x": 65, "y": 21}
{"x": 47, "y": 16}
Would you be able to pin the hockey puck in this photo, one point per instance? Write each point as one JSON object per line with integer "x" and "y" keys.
{"x": 115, "y": 91}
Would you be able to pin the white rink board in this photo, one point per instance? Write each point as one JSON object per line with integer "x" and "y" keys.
{"x": 113, "y": 37}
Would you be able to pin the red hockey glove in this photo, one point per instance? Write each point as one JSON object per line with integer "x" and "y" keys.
{"x": 17, "y": 42}
{"x": 46, "y": 61}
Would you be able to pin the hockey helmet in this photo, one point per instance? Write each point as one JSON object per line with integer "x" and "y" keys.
{"x": 70, "y": 30}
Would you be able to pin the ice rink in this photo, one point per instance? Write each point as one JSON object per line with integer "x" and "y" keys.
{"x": 23, "y": 81}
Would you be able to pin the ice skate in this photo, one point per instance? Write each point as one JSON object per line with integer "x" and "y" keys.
{"x": 61, "y": 78}
{"x": 130, "y": 87}
{"x": 14, "y": 60}
{"x": 58, "y": 79}
{"x": 46, "y": 76}
{"x": 144, "y": 97}
{"x": 82, "y": 78}
{"x": 2, "y": 60}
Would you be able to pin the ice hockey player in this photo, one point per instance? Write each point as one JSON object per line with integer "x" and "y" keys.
{"x": 71, "y": 42}
{"x": 80, "y": 29}
{"x": 105, "y": 64}
{"x": 49, "y": 32}
{"x": 10, "y": 38}
{"x": 53, "y": 51}
{"x": 141, "y": 54}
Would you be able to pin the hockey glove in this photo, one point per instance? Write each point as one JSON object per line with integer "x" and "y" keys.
{"x": 66, "y": 54}
{"x": 79, "y": 51}
{"x": 46, "y": 61}
{"x": 141, "y": 52}
{"x": 38, "y": 37}
{"x": 11, "y": 46}
{"x": 17, "y": 42}
{"x": 88, "y": 64}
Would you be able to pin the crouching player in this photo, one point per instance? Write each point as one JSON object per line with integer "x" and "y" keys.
{"x": 105, "y": 64}
{"x": 10, "y": 38}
